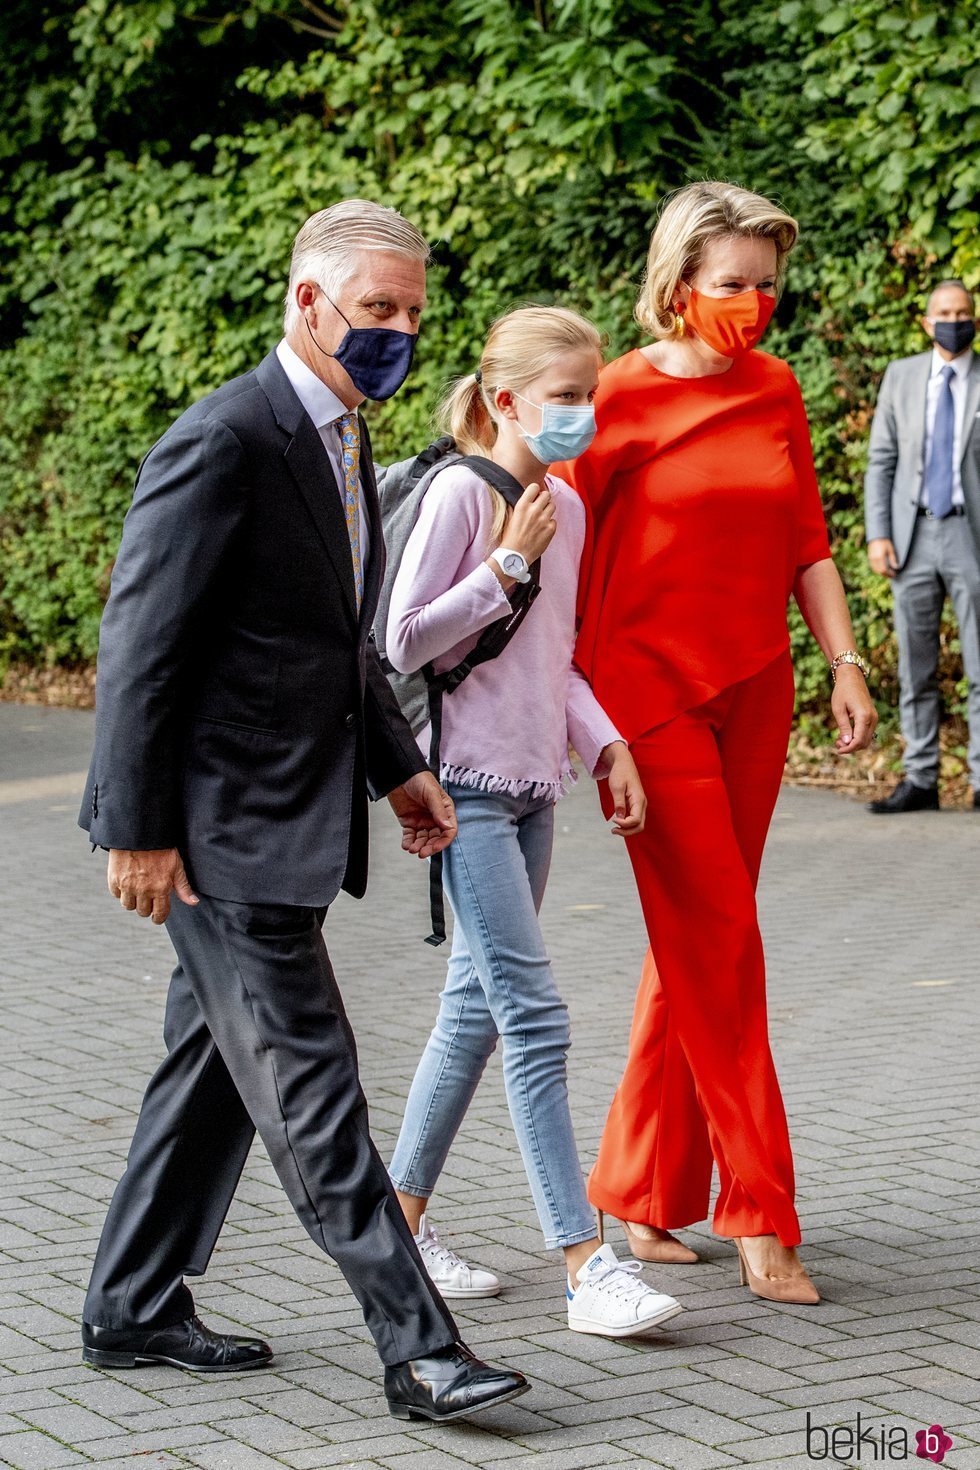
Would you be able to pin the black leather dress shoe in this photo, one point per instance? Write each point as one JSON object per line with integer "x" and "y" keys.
{"x": 907, "y": 797}
{"x": 187, "y": 1344}
{"x": 449, "y": 1384}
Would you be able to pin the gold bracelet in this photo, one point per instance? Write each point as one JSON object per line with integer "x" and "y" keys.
{"x": 850, "y": 656}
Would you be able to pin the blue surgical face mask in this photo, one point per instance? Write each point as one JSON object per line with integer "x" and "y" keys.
{"x": 376, "y": 359}
{"x": 566, "y": 430}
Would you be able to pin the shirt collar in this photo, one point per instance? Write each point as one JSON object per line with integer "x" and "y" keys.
{"x": 960, "y": 364}
{"x": 320, "y": 402}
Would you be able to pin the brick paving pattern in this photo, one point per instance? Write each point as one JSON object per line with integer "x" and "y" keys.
{"x": 873, "y": 934}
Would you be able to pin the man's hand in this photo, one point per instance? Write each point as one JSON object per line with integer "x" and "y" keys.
{"x": 144, "y": 881}
{"x": 426, "y": 814}
{"x": 626, "y": 790}
{"x": 882, "y": 556}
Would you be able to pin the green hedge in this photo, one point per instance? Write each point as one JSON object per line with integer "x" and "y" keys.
{"x": 156, "y": 163}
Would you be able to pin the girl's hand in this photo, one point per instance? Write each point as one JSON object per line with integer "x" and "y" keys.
{"x": 853, "y": 710}
{"x": 532, "y": 523}
{"x": 626, "y": 790}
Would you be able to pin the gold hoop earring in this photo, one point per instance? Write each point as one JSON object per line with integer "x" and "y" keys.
{"x": 678, "y": 324}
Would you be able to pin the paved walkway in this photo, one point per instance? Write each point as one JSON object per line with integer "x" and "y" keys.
{"x": 873, "y": 932}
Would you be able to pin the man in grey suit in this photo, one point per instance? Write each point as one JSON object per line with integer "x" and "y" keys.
{"x": 922, "y": 524}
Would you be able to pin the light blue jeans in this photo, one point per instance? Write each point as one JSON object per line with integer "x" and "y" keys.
{"x": 499, "y": 983}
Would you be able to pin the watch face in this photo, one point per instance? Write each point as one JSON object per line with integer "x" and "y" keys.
{"x": 513, "y": 565}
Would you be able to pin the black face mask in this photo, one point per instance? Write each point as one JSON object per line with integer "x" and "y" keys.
{"x": 376, "y": 359}
{"x": 954, "y": 336}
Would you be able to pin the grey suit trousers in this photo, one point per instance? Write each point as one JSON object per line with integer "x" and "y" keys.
{"x": 942, "y": 560}
{"x": 257, "y": 1037}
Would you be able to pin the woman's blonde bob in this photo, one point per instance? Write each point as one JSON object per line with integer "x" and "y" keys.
{"x": 688, "y": 220}
{"x": 520, "y": 346}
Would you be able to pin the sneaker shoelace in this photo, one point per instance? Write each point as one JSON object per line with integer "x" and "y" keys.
{"x": 441, "y": 1253}
{"x": 620, "y": 1280}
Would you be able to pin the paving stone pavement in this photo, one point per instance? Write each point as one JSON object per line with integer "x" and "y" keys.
{"x": 872, "y": 928}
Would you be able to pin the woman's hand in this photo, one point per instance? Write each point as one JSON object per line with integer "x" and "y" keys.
{"x": 626, "y": 790}
{"x": 853, "y": 710}
{"x": 820, "y": 594}
{"x": 532, "y": 523}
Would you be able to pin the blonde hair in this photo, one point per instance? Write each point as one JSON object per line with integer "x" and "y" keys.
{"x": 520, "y": 346}
{"x": 688, "y": 220}
{"x": 327, "y": 248}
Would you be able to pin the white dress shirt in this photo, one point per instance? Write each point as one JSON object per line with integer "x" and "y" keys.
{"x": 325, "y": 409}
{"x": 961, "y": 366}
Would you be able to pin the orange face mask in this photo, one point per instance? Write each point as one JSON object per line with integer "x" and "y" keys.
{"x": 731, "y": 325}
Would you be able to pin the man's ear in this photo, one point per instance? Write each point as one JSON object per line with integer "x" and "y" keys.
{"x": 304, "y": 295}
{"x": 927, "y": 327}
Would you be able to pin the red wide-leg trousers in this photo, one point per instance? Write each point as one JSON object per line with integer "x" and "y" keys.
{"x": 700, "y": 1081}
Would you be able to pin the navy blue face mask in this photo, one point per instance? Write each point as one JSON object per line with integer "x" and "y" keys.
{"x": 376, "y": 359}
{"x": 955, "y": 336}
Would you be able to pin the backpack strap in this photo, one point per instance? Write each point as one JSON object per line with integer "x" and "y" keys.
{"x": 494, "y": 639}
{"x": 509, "y": 485}
{"x": 490, "y": 644}
{"x": 433, "y": 455}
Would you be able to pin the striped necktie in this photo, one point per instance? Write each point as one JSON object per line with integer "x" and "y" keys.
{"x": 350, "y": 442}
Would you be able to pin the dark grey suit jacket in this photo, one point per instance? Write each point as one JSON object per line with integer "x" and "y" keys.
{"x": 893, "y": 481}
{"x": 241, "y": 713}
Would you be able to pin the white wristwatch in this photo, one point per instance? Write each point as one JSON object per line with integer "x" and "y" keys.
{"x": 512, "y": 564}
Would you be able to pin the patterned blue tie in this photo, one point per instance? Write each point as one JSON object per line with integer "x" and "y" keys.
{"x": 939, "y": 468}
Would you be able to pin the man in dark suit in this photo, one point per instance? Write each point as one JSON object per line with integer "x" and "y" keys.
{"x": 922, "y": 523}
{"x": 242, "y": 721}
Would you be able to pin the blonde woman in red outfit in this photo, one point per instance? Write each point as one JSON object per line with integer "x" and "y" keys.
{"x": 706, "y": 518}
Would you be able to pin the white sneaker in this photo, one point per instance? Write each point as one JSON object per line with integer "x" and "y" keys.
{"x": 451, "y": 1276}
{"x": 611, "y": 1301}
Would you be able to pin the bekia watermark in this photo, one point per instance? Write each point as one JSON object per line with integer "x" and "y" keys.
{"x": 933, "y": 1444}
{"x": 847, "y": 1443}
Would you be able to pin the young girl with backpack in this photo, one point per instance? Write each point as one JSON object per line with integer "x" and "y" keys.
{"x": 504, "y": 759}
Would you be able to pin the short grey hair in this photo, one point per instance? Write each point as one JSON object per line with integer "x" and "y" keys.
{"x": 326, "y": 249}
{"x": 953, "y": 283}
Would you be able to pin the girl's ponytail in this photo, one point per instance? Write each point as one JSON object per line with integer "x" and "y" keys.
{"x": 463, "y": 413}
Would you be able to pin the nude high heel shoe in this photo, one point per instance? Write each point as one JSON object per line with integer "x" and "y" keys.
{"x": 797, "y": 1290}
{"x": 663, "y": 1249}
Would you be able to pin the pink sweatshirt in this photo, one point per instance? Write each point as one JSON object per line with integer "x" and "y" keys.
{"x": 508, "y": 726}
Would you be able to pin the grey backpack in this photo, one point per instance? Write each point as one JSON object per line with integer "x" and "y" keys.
{"x": 401, "y": 487}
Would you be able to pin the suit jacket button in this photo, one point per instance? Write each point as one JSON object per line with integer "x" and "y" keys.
{"x": 349, "y": 721}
